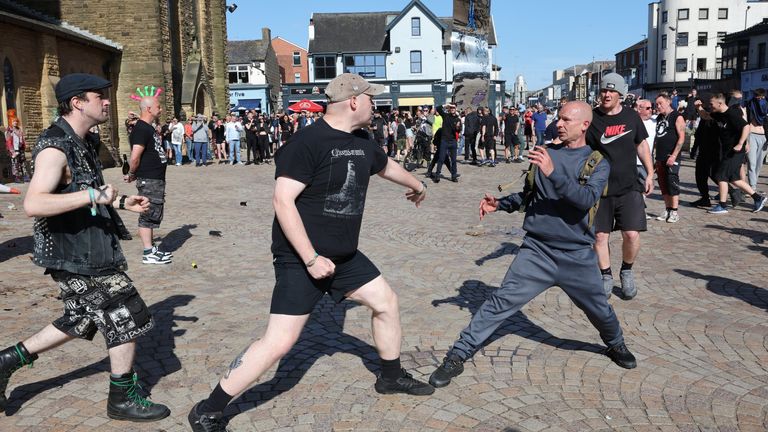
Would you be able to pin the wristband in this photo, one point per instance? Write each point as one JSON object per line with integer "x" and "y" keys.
{"x": 92, "y": 196}
{"x": 423, "y": 189}
{"x": 121, "y": 206}
{"x": 311, "y": 262}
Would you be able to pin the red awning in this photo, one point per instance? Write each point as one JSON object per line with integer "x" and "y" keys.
{"x": 305, "y": 105}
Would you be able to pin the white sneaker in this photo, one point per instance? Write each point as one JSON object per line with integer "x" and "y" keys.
{"x": 178, "y": 164}
{"x": 673, "y": 217}
{"x": 663, "y": 216}
{"x": 157, "y": 257}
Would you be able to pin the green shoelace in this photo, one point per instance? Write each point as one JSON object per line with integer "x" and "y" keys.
{"x": 132, "y": 392}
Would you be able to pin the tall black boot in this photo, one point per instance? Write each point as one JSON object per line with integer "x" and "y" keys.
{"x": 11, "y": 360}
{"x": 125, "y": 402}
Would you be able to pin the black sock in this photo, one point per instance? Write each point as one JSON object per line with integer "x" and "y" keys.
{"x": 216, "y": 402}
{"x": 121, "y": 377}
{"x": 756, "y": 196}
{"x": 391, "y": 369}
{"x": 606, "y": 271}
{"x": 626, "y": 266}
{"x": 669, "y": 208}
{"x": 673, "y": 208}
{"x": 723, "y": 204}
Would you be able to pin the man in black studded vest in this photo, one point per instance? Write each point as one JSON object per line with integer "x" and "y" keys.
{"x": 77, "y": 233}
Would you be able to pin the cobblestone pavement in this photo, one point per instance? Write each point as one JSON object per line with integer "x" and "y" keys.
{"x": 698, "y": 325}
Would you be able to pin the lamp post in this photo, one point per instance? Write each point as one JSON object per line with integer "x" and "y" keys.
{"x": 745, "y": 17}
{"x": 674, "y": 70}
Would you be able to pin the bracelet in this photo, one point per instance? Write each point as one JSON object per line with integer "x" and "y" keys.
{"x": 423, "y": 189}
{"x": 92, "y": 196}
{"x": 121, "y": 206}
{"x": 311, "y": 262}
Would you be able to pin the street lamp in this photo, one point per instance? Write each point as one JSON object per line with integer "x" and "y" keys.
{"x": 745, "y": 17}
{"x": 674, "y": 70}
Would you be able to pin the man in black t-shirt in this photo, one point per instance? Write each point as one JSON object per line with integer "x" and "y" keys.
{"x": 147, "y": 167}
{"x": 322, "y": 177}
{"x": 670, "y": 134}
{"x": 734, "y": 132}
{"x": 471, "y": 129}
{"x": 489, "y": 130}
{"x": 619, "y": 133}
{"x": 511, "y": 126}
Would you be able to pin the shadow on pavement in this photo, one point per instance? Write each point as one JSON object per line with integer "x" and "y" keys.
{"x": 752, "y": 294}
{"x": 155, "y": 357}
{"x": 473, "y": 293}
{"x": 505, "y": 248}
{"x": 322, "y": 336}
{"x": 757, "y": 237}
{"x": 176, "y": 238}
{"x": 16, "y": 247}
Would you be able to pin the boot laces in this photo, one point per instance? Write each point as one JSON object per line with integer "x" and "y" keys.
{"x": 132, "y": 392}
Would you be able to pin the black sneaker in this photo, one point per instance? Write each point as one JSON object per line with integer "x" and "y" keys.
{"x": 405, "y": 384}
{"x": 704, "y": 202}
{"x": 621, "y": 356}
{"x": 452, "y": 367}
{"x": 205, "y": 422}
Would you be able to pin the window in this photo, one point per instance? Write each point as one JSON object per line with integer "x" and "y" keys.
{"x": 681, "y": 65}
{"x": 663, "y": 41}
{"x": 682, "y": 14}
{"x": 238, "y": 74}
{"x": 325, "y": 67}
{"x": 704, "y": 14}
{"x": 366, "y": 65}
{"x": 720, "y": 36}
{"x": 416, "y": 62}
{"x": 297, "y": 77}
{"x": 297, "y": 58}
{"x": 682, "y": 39}
{"x": 664, "y": 16}
{"x": 702, "y": 38}
{"x": 416, "y": 26}
{"x": 761, "y": 55}
{"x": 701, "y": 64}
{"x": 663, "y": 67}
{"x": 722, "y": 13}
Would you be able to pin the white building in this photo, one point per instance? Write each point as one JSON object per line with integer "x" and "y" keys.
{"x": 683, "y": 37}
{"x": 408, "y": 51}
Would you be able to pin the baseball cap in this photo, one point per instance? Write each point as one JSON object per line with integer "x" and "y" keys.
{"x": 614, "y": 82}
{"x": 76, "y": 83}
{"x": 348, "y": 85}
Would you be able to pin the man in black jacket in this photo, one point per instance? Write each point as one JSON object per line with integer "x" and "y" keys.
{"x": 450, "y": 135}
{"x": 471, "y": 128}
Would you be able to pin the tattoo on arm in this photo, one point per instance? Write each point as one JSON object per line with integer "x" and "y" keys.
{"x": 237, "y": 362}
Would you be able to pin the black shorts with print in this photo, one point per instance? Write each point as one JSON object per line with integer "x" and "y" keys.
{"x": 154, "y": 190}
{"x": 109, "y": 304}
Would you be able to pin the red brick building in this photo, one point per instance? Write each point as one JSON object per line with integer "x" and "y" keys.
{"x": 292, "y": 60}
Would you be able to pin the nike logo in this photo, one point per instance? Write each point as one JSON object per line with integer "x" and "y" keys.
{"x": 607, "y": 140}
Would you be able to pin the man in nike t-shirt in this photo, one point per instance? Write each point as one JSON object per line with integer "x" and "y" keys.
{"x": 619, "y": 134}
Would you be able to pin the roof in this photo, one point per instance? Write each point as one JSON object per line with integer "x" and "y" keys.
{"x": 14, "y": 12}
{"x": 289, "y": 42}
{"x": 424, "y": 10}
{"x": 239, "y": 52}
{"x": 757, "y": 29}
{"x": 634, "y": 47}
{"x": 350, "y": 32}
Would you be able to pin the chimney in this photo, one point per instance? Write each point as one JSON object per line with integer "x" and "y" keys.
{"x": 311, "y": 29}
{"x": 266, "y": 34}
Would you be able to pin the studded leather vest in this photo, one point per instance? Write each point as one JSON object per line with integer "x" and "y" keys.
{"x": 76, "y": 241}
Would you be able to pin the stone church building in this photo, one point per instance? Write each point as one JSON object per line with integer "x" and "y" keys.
{"x": 179, "y": 45}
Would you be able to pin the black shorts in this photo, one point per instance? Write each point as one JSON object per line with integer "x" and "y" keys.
{"x": 154, "y": 190}
{"x": 109, "y": 304}
{"x": 669, "y": 178}
{"x": 489, "y": 144}
{"x": 729, "y": 168}
{"x": 511, "y": 140}
{"x": 621, "y": 213}
{"x": 296, "y": 292}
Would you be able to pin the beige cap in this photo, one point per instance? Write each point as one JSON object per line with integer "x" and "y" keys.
{"x": 348, "y": 85}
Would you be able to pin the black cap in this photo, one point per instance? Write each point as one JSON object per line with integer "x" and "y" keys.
{"x": 76, "y": 83}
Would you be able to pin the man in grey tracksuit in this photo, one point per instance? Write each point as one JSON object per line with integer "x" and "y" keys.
{"x": 557, "y": 249}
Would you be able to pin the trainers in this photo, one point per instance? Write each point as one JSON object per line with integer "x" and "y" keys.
{"x": 621, "y": 356}
{"x": 759, "y": 204}
{"x": 156, "y": 250}
{"x": 673, "y": 217}
{"x": 405, "y": 384}
{"x": 452, "y": 367}
{"x": 205, "y": 422}
{"x": 608, "y": 284}
{"x": 663, "y": 216}
{"x": 718, "y": 209}
{"x": 628, "y": 289}
{"x": 155, "y": 257}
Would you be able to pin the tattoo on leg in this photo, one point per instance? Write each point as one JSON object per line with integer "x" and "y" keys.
{"x": 235, "y": 363}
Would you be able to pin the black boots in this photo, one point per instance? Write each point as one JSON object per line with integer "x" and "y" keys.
{"x": 11, "y": 360}
{"x": 125, "y": 403}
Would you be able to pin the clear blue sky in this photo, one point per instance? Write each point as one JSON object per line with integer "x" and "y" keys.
{"x": 534, "y": 37}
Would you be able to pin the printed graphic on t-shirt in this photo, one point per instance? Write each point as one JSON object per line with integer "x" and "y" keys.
{"x": 612, "y": 133}
{"x": 662, "y": 127}
{"x": 159, "y": 149}
{"x": 347, "y": 199}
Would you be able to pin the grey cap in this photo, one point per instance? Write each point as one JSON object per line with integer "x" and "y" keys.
{"x": 615, "y": 82}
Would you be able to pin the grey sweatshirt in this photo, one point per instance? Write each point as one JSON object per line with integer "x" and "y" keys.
{"x": 558, "y": 215}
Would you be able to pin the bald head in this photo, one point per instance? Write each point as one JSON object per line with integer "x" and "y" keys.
{"x": 575, "y": 118}
{"x": 150, "y": 108}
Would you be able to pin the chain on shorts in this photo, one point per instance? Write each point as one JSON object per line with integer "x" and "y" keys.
{"x": 109, "y": 304}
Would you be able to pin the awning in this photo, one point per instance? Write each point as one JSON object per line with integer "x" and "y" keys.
{"x": 249, "y": 104}
{"x": 413, "y": 101}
